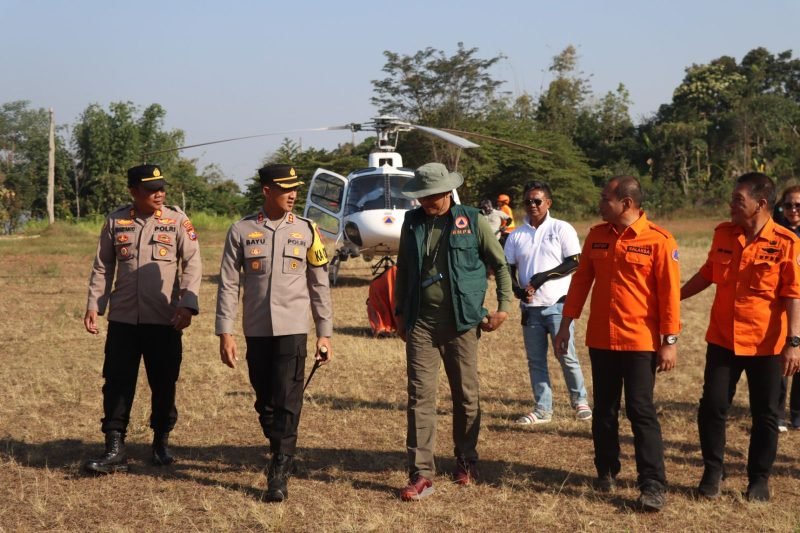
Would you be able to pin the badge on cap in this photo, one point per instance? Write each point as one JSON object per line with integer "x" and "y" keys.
{"x": 292, "y": 172}
{"x": 156, "y": 172}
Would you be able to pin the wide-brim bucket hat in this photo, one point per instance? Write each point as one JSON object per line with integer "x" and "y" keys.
{"x": 432, "y": 178}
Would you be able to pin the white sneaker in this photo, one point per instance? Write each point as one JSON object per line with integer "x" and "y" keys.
{"x": 583, "y": 412}
{"x": 536, "y": 417}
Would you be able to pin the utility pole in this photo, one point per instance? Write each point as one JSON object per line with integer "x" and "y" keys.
{"x": 51, "y": 171}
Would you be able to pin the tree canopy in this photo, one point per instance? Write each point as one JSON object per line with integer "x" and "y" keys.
{"x": 726, "y": 117}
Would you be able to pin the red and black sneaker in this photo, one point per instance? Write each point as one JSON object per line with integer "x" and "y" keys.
{"x": 466, "y": 472}
{"x": 419, "y": 487}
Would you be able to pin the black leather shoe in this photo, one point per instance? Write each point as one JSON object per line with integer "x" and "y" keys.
{"x": 161, "y": 455}
{"x": 758, "y": 490}
{"x": 709, "y": 486}
{"x": 653, "y": 496}
{"x": 113, "y": 460}
{"x": 278, "y": 477}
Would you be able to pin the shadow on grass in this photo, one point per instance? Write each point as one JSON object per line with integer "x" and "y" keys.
{"x": 204, "y": 465}
{"x": 354, "y": 331}
{"x": 351, "y": 281}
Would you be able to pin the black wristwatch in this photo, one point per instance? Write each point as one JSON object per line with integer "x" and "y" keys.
{"x": 672, "y": 339}
{"x": 793, "y": 341}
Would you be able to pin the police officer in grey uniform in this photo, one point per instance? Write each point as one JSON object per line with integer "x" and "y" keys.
{"x": 153, "y": 250}
{"x": 285, "y": 272}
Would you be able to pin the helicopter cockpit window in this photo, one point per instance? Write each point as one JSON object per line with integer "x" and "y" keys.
{"x": 327, "y": 192}
{"x": 369, "y": 192}
{"x": 325, "y": 221}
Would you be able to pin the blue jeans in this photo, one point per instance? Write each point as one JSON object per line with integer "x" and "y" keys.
{"x": 538, "y": 323}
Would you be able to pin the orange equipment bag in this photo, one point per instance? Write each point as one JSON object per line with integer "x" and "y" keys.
{"x": 380, "y": 304}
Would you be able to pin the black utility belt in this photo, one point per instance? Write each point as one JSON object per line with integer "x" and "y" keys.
{"x": 427, "y": 282}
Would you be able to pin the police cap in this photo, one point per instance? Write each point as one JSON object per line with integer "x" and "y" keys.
{"x": 284, "y": 176}
{"x": 148, "y": 176}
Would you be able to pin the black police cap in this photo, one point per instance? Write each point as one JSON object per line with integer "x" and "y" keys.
{"x": 148, "y": 176}
{"x": 284, "y": 176}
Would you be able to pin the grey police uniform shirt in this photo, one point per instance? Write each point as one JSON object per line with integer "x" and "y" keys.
{"x": 157, "y": 264}
{"x": 284, "y": 273}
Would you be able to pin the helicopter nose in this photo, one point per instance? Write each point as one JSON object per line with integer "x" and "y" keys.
{"x": 351, "y": 230}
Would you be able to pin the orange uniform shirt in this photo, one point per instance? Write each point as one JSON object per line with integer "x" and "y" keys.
{"x": 510, "y": 226}
{"x": 748, "y": 315}
{"x": 636, "y": 293}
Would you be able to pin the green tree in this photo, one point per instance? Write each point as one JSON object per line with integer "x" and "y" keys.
{"x": 439, "y": 90}
{"x": 24, "y": 146}
{"x": 560, "y": 105}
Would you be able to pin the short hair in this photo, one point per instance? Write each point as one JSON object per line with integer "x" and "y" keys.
{"x": 538, "y": 186}
{"x": 794, "y": 189}
{"x": 629, "y": 187}
{"x": 761, "y": 186}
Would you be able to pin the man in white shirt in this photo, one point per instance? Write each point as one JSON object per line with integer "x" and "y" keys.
{"x": 543, "y": 253}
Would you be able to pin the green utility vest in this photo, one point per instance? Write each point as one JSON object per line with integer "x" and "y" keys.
{"x": 466, "y": 269}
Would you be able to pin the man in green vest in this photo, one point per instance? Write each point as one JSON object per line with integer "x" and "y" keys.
{"x": 445, "y": 249}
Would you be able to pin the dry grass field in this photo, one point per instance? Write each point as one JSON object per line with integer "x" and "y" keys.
{"x": 352, "y": 434}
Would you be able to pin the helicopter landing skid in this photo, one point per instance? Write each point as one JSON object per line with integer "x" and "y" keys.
{"x": 382, "y": 265}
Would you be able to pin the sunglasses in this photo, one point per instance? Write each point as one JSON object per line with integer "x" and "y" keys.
{"x": 534, "y": 201}
{"x": 789, "y": 206}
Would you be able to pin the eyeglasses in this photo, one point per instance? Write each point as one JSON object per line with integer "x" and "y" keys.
{"x": 789, "y": 206}
{"x": 534, "y": 201}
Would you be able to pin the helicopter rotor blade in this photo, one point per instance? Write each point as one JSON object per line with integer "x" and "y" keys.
{"x": 447, "y": 135}
{"x": 496, "y": 140}
{"x": 328, "y": 128}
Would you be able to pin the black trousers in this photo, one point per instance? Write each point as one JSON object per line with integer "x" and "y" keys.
{"x": 722, "y": 373}
{"x": 276, "y": 366}
{"x": 126, "y": 345}
{"x": 794, "y": 402}
{"x": 636, "y": 371}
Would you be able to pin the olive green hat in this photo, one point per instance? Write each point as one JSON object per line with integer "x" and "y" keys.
{"x": 432, "y": 178}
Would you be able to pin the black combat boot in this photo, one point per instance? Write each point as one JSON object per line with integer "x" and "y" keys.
{"x": 161, "y": 455}
{"x": 114, "y": 459}
{"x": 278, "y": 477}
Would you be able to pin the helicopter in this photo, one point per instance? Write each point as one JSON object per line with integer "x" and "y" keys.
{"x": 362, "y": 213}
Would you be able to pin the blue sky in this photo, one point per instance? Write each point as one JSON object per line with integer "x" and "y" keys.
{"x": 226, "y": 69}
